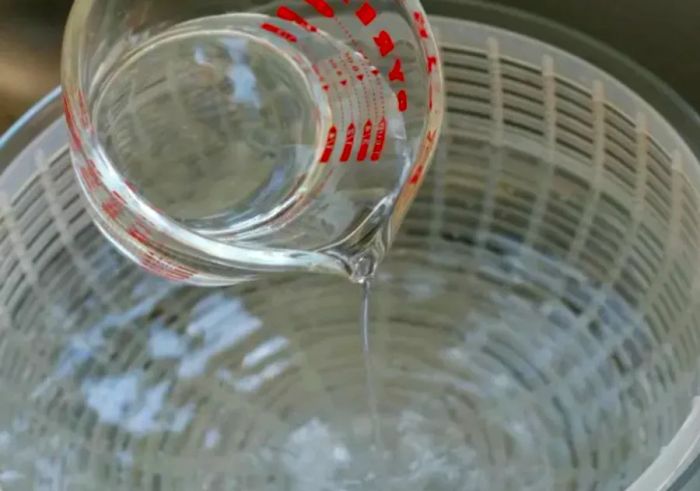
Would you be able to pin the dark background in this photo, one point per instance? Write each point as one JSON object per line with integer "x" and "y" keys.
{"x": 662, "y": 35}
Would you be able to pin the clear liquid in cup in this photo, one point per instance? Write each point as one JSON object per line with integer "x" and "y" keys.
{"x": 213, "y": 128}
{"x": 224, "y": 128}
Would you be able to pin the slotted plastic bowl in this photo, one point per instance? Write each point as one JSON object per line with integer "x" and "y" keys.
{"x": 534, "y": 328}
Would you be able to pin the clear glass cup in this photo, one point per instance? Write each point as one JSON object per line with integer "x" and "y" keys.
{"x": 216, "y": 139}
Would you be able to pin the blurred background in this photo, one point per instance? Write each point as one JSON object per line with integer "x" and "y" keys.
{"x": 662, "y": 35}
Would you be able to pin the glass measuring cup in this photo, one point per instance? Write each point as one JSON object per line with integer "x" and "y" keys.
{"x": 215, "y": 140}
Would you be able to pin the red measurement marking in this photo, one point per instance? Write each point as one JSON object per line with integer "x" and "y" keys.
{"x": 432, "y": 62}
{"x": 396, "y": 73}
{"x": 422, "y": 26}
{"x": 360, "y": 77}
{"x": 322, "y": 7}
{"x": 113, "y": 205}
{"x": 366, "y": 136}
{"x": 384, "y": 42}
{"x": 416, "y": 177}
{"x": 70, "y": 122}
{"x": 402, "y": 98}
{"x": 84, "y": 118}
{"x": 91, "y": 176}
{"x": 379, "y": 141}
{"x": 280, "y": 32}
{"x": 165, "y": 269}
{"x": 430, "y": 140}
{"x": 140, "y": 232}
{"x": 349, "y": 142}
{"x": 366, "y": 14}
{"x": 285, "y": 13}
{"x": 375, "y": 71}
{"x": 330, "y": 145}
